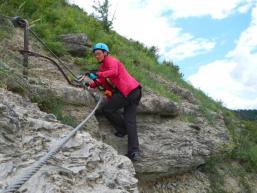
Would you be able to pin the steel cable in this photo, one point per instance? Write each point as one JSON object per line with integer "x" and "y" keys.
{"x": 18, "y": 182}
{"x": 45, "y": 45}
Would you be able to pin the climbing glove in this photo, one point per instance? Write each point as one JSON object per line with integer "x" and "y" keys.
{"x": 92, "y": 75}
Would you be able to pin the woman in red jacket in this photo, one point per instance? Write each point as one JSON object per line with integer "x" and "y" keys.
{"x": 126, "y": 95}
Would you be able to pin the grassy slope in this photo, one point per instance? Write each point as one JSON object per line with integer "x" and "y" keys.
{"x": 50, "y": 18}
{"x": 53, "y": 17}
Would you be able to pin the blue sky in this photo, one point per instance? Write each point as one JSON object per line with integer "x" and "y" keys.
{"x": 213, "y": 42}
{"x": 224, "y": 32}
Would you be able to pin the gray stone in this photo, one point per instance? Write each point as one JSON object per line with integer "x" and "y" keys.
{"x": 83, "y": 165}
{"x": 169, "y": 143}
{"x": 76, "y": 44}
{"x": 154, "y": 104}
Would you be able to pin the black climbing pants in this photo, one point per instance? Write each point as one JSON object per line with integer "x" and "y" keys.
{"x": 126, "y": 122}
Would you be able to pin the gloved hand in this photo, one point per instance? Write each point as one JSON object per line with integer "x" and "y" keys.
{"x": 108, "y": 93}
{"x": 92, "y": 76}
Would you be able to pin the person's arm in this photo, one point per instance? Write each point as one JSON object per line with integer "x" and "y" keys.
{"x": 97, "y": 82}
{"x": 92, "y": 84}
{"x": 112, "y": 69}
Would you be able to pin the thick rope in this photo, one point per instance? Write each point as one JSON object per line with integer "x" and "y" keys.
{"x": 29, "y": 53}
{"x": 45, "y": 45}
{"x": 18, "y": 182}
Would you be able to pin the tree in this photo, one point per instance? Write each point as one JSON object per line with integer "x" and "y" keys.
{"x": 103, "y": 13}
{"x": 154, "y": 51}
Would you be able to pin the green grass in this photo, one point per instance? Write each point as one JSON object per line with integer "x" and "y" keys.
{"x": 3, "y": 33}
{"x": 244, "y": 134}
{"x": 5, "y": 30}
{"x": 51, "y": 18}
{"x": 147, "y": 81}
{"x": 243, "y": 152}
{"x": 12, "y": 81}
{"x": 55, "y": 17}
{"x": 3, "y": 75}
{"x": 191, "y": 118}
{"x": 54, "y": 105}
{"x": 220, "y": 167}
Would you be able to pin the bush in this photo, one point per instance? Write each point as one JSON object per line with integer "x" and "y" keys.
{"x": 245, "y": 150}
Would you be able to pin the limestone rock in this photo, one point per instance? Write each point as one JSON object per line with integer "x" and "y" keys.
{"x": 83, "y": 165}
{"x": 168, "y": 146}
{"x": 76, "y": 44}
{"x": 192, "y": 182}
{"x": 154, "y": 104}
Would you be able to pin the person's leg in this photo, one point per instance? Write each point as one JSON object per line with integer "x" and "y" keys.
{"x": 110, "y": 112}
{"x": 130, "y": 120}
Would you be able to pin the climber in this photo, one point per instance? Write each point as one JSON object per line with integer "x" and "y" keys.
{"x": 126, "y": 94}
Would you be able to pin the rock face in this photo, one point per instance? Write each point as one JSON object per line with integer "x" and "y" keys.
{"x": 83, "y": 165}
{"x": 153, "y": 104}
{"x": 76, "y": 44}
{"x": 169, "y": 144}
{"x": 174, "y": 137}
{"x": 192, "y": 182}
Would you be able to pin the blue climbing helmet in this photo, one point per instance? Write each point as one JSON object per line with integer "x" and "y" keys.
{"x": 101, "y": 46}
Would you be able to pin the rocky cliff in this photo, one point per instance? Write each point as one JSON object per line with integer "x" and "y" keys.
{"x": 92, "y": 161}
{"x": 84, "y": 165}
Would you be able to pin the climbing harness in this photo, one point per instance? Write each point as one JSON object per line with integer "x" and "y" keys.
{"x": 15, "y": 184}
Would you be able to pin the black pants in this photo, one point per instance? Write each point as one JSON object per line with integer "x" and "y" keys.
{"x": 125, "y": 123}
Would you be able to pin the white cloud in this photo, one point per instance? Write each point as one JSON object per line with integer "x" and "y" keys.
{"x": 216, "y": 79}
{"x": 217, "y": 9}
{"x": 143, "y": 21}
{"x": 190, "y": 48}
{"x": 234, "y": 79}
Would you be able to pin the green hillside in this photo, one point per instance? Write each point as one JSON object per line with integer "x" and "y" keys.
{"x": 249, "y": 115}
{"x": 50, "y": 18}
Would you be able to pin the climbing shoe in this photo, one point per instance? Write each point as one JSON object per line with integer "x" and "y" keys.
{"x": 119, "y": 134}
{"x": 134, "y": 156}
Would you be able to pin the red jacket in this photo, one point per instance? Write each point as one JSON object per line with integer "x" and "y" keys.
{"x": 116, "y": 72}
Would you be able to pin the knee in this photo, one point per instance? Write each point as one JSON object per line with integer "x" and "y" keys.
{"x": 106, "y": 111}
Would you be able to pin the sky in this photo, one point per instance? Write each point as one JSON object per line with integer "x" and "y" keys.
{"x": 213, "y": 42}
